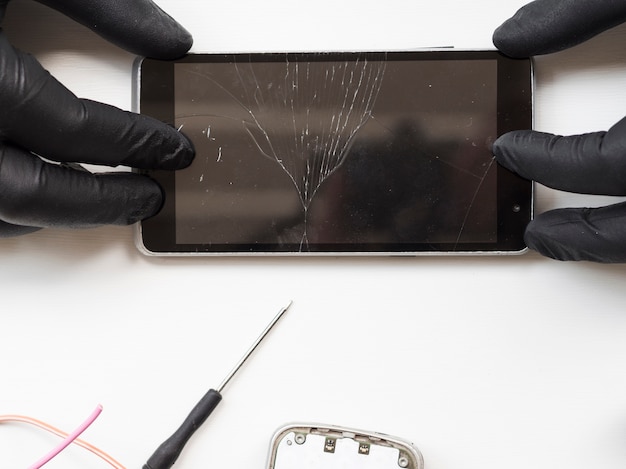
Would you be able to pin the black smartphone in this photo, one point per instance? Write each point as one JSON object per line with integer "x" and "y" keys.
{"x": 368, "y": 153}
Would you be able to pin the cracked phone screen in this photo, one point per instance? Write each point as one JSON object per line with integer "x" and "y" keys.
{"x": 302, "y": 152}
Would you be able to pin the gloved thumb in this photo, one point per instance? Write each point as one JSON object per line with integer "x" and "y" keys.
{"x": 577, "y": 234}
{"x": 546, "y": 26}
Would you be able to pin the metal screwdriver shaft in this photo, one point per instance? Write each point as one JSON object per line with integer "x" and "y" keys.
{"x": 254, "y": 346}
{"x": 166, "y": 455}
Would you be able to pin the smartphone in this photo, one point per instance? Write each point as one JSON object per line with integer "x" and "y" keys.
{"x": 310, "y": 446}
{"x": 361, "y": 153}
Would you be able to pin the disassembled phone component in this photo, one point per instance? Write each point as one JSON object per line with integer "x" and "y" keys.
{"x": 167, "y": 454}
{"x": 311, "y": 446}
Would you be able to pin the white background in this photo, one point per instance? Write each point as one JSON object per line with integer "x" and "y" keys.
{"x": 484, "y": 363}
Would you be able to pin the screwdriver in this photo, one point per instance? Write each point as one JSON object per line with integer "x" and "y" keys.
{"x": 166, "y": 455}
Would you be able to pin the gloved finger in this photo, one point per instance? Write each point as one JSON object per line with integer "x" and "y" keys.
{"x": 593, "y": 163}
{"x": 597, "y": 235}
{"x": 546, "y": 26}
{"x": 138, "y": 26}
{"x": 40, "y": 114}
{"x": 8, "y": 230}
{"x": 39, "y": 194}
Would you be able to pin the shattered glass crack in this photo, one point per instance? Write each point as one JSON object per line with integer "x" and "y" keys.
{"x": 377, "y": 151}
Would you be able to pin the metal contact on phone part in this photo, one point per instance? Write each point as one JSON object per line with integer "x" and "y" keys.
{"x": 300, "y": 438}
{"x": 329, "y": 445}
{"x": 403, "y": 461}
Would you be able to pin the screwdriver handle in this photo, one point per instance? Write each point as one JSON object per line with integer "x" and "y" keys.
{"x": 166, "y": 455}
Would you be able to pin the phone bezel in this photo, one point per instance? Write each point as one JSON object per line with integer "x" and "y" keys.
{"x": 154, "y": 96}
{"x": 409, "y": 450}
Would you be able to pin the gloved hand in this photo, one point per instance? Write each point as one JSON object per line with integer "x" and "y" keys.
{"x": 39, "y": 116}
{"x": 593, "y": 163}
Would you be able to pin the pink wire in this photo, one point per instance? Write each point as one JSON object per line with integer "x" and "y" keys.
{"x": 69, "y": 439}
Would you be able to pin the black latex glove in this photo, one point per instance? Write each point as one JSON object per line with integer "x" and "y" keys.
{"x": 593, "y": 163}
{"x": 39, "y": 116}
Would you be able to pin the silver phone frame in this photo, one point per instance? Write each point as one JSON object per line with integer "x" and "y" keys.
{"x": 409, "y": 449}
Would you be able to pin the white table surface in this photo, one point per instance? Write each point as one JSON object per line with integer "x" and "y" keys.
{"x": 484, "y": 363}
